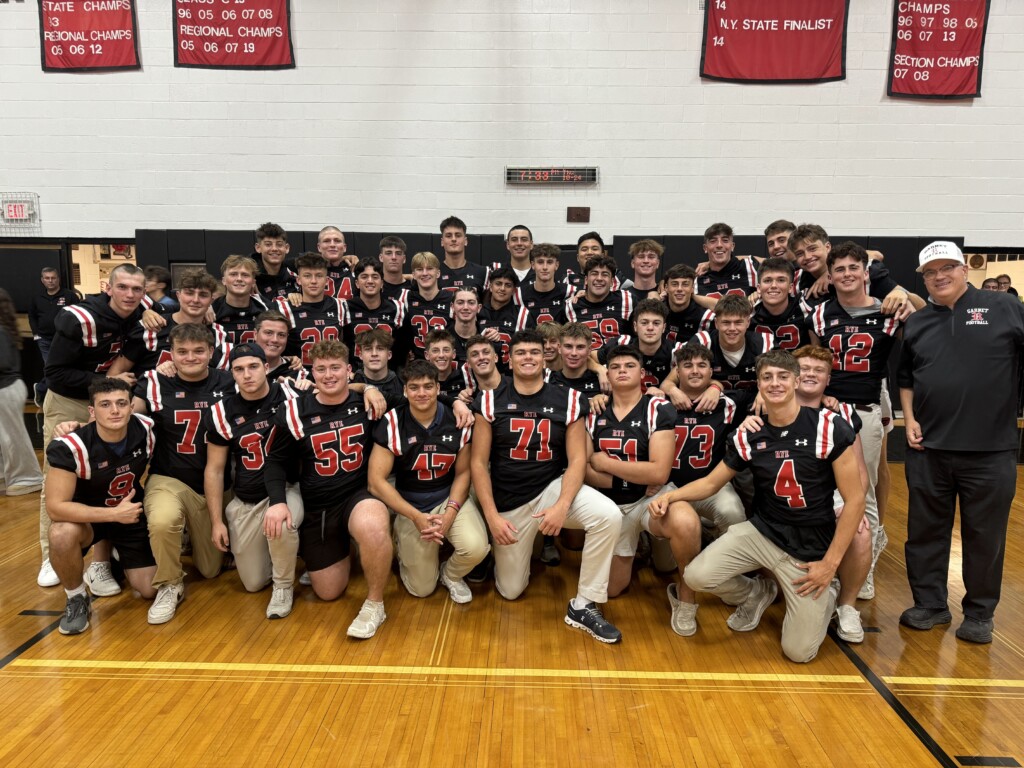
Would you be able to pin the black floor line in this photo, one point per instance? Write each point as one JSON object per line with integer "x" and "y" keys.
{"x": 1005, "y": 762}
{"x": 41, "y": 613}
{"x": 28, "y": 644}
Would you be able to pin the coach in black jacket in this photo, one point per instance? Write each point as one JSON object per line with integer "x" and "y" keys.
{"x": 41, "y": 314}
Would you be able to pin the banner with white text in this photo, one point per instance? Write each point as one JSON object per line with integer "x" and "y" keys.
{"x": 233, "y": 34}
{"x": 81, "y": 35}
{"x": 774, "y": 41}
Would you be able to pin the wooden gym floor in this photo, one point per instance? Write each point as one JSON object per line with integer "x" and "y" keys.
{"x": 495, "y": 683}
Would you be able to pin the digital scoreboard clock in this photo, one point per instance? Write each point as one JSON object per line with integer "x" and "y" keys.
{"x": 549, "y": 175}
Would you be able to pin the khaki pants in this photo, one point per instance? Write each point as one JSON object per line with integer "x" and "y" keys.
{"x": 871, "y": 435}
{"x": 257, "y": 558}
{"x": 417, "y": 559}
{"x": 590, "y": 511}
{"x": 169, "y": 503}
{"x": 636, "y": 518}
{"x": 56, "y": 408}
{"x": 719, "y": 570}
{"x": 723, "y": 510}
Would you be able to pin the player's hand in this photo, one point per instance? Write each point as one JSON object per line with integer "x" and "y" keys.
{"x": 816, "y": 579}
{"x": 295, "y": 363}
{"x": 751, "y": 424}
{"x": 656, "y": 392}
{"x": 219, "y": 536}
{"x": 653, "y": 490}
{"x": 897, "y": 303}
{"x": 466, "y": 396}
{"x": 350, "y": 260}
{"x": 915, "y": 438}
{"x": 275, "y": 520}
{"x": 659, "y": 506}
{"x": 502, "y": 531}
{"x": 551, "y": 520}
{"x": 754, "y": 298}
{"x": 66, "y": 427}
{"x": 127, "y": 511}
{"x": 598, "y": 403}
{"x": 375, "y": 403}
{"x": 152, "y": 320}
{"x": 167, "y": 368}
{"x": 432, "y": 529}
{"x": 295, "y": 299}
{"x": 578, "y": 295}
{"x": 127, "y": 376}
{"x": 491, "y": 334}
{"x": 702, "y": 268}
{"x": 708, "y": 400}
{"x": 830, "y": 402}
{"x": 820, "y": 287}
{"x": 758, "y": 406}
{"x": 603, "y": 383}
{"x": 299, "y": 385}
{"x": 446, "y": 521}
{"x": 602, "y": 462}
{"x": 463, "y": 415}
{"x": 678, "y": 399}
{"x": 211, "y": 316}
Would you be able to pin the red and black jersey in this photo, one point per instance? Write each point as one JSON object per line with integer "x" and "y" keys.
{"x": 793, "y": 479}
{"x": 737, "y": 278}
{"x": 391, "y": 387}
{"x": 639, "y": 294}
{"x": 424, "y": 456}
{"x": 629, "y": 439}
{"x": 788, "y": 329}
{"x": 683, "y": 324}
{"x": 106, "y": 472}
{"x": 527, "y": 438}
{"x": 607, "y": 319}
{"x": 851, "y": 417}
{"x": 880, "y": 284}
{"x": 148, "y": 349}
{"x": 742, "y": 375}
{"x": 340, "y": 283}
{"x": 459, "y": 379}
{"x": 238, "y": 323}
{"x": 860, "y": 347}
{"x": 271, "y": 287}
{"x": 469, "y": 276}
{"x": 576, "y": 281}
{"x": 359, "y": 318}
{"x": 311, "y": 322}
{"x": 331, "y": 444}
{"x": 244, "y": 427}
{"x": 425, "y": 315}
{"x": 544, "y": 306}
{"x": 177, "y": 409}
{"x": 656, "y": 366}
{"x": 701, "y": 439}
{"x": 399, "y": 292}
{"x": 588, "y": 383}
{"x": 506, "y": 321}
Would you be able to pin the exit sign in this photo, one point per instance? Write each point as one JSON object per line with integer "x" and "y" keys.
{"x": 17, "y": 212}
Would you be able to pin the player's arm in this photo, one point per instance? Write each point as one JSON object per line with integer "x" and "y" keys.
{"x": 60, "y": 490}
{"x": 139, "y": 405}
{"x": 64, "y": 361}
{"x": 654, "y": 471}
{"x": 120, "y": 365}
{"x": 281, "y": 446}
{"x": 213, "y": 489}
{"x": 382, "y": 461}
{"x": 593, "y": 477}
{"x": 704, "y": 487}
{"x": 459, "y": 491}
{"x": 704, "y": 301}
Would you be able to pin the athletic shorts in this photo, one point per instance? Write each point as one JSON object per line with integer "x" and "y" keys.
{"x": 130, "y": 539}
{"x": 323, "y": 536}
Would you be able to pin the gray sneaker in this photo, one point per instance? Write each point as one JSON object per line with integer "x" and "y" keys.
{"x": 747, "y": 615}
{"x": 458, "y": 590}
{"x": 280, "y": 603}
{"x": 867, "y": 589}
{"x": 100, "y": 580}
{"x": 76, "y": 615}
{"x": 368, "y": 621}
{"x": 848, "y": 624}
{"x": 684, "y": 615}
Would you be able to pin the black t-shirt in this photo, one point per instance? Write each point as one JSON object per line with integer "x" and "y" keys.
{"x": 238, "y": 323}
{"x": 742, "y": 375}
{"x": 737, "y": 278}
{"x": 399, "y": 292}
{"x": 608, "y": 319}
{"x": 788, "y": 329}
{"x": 701, "y": 439}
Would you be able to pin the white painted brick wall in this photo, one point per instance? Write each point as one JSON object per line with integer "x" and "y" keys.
{"x": 403, "y": 111}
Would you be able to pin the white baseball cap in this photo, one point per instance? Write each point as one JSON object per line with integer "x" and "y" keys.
{"x": 940, "y": 250}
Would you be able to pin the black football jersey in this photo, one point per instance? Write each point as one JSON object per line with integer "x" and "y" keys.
{"x": 880, "y": 284}
{"x": 311, "y": 322}
{"x": 701, "y": 440}
{"x": 359, "y": 318}
{"x": 629, "y": 439}
{"x": 177, "y": 409}
{"x": 425, "y": 315}
{"x": 424, "y": 458}
{"x": 742, "y": 375}
{"x": 793, "y": 479}
{"x": 527, "y": 438}
{"x": 244, "y": 426}
{"x": 656, "y": 366}
{"x": 399, "y": 292}
{"x": 737, "y": 278}
{"x": 271, "y": 287}
{"x": 684, "y": 324}
{"x": 788, "y": 330}
{"x": 238, "y": 323}
{"x": 588, "y": 383}
{"x": 106, "y": 474}
{"x": 607, "y": 319}
{"x": 575, "y": 280}
{"x": 469, "y": 276}
{"x": 459, "y": 379}
{"x": 850, "y": 416}
{"x": 148, "y": 349}
{"x": 544, "y": 306}
{"x": 340, "y": 283}
{"x": 860, "y": 348}
{"x": 506, "y": 321}
{"x": 390, "y": 387}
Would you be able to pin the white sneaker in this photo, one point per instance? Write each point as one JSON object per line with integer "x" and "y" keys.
{"x": 867, "y": 590}
{"x": 366, "y": 624}
{"x": 747, "y": 615}
{"x": 848, "y": 623}
{"x": 280, "y": 603}
{"x": 684, "y": 615}
{"x": 166, "y": 603}
{"x": 458, "y": 590}
{"x": 100, "y": 580}
{"x": 47, "y": 576}
{"x": 304, "y": 579}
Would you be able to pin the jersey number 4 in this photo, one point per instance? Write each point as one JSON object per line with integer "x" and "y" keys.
{"x": 787, "y": 487}
{"x": 526, "y": 428}
{"x": 348, "y": 455}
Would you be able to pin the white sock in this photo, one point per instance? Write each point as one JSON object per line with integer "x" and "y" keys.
{"x": 79, "y": 590}
{"x": 579, "y": 603}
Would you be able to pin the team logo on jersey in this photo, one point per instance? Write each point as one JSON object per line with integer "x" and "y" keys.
{"x": 800, "y": 442}
{"x": 761, "y": 446}
{"x": 782, "y": 454}
{"x": 136, "y": 453}
{"x": 447, "y": 438}
{"x": 634, "y": 423}
{"x": 352, "y": 410}
{"x": 239, "y": 419}
{"x": 179, "y": 395}
{"x": 977, "y": 316}
{"x": 548, "y": 410}
{"x": 871, "y": 321}
{"x": 315, "y": 420}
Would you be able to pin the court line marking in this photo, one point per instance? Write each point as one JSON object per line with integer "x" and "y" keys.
{"x": 958, "y": 682}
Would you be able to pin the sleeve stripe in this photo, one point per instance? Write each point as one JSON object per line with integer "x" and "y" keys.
{"x": 573, "y": 411}
{"x": 467, "y": 434}
{"x": 742, "y": 445}
{"x": 147, "y": 424}
{"x": 487, "y": 405}
{"x": 730, "y": 410}
{"x": 79, "y": 453}
{"x": 220, "y": 421}
{"x": 156, "y": 403}
{"x": 704, "y": 339}
{"x": 86, "y": 321}
{"x": 394, "y": 439}
{"x": 294, "y": 422}
{"x": 824, "y": 436}
{"x": 591, "y": 422}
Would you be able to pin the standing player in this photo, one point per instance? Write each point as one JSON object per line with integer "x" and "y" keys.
{"x": 429, "y": 455}
{"x": 41, "y": 315}
{"x": 726, "y": 275}
{"x": 519, "y": 244}
{"x": 686, "y": 317}
{"x": 465, "y": 323}
{"x": 543, "y": 297}
{"x": 645, "y": 259}
{"x": 798, "y": 459}
{"x": 330, "y": 243}
{"x": 649, "y": 324}
{"x": 317, "y": 316}
{"x": 428, "y": 308}
{"x": 274, "y": 280}
{"x": 499, "y": 313}
{"x": 605, "y": 312}
{"x": 455, "y": 272}
{"x": 237, "y": 309}
{"x": 391, "y": 253}
{"x": 589, "y": 246}
{"x": 368, "y": 309}
{"x": 529, "y": 459}
{"x": 779, "y": 313}
{"x": 95, "y": 494}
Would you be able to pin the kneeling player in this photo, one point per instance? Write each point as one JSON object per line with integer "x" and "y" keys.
{"x": 430, "y": 456}
{"x": 93, "y": 494}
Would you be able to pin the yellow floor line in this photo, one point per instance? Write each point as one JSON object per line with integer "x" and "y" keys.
{"x": 955, "y": 682}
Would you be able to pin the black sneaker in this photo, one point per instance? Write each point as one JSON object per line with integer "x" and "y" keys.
{"x": 76, "y": 615}
{"x": 480, "y": 571}
{"x": 549, "y": 553}
{"x": 590, "y": 619}
{"x": 975, "y": 630}
{"x": 924, "y": 618}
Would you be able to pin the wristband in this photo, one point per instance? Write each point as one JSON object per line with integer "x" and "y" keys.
{"x": 716, "y": 385}
{"x": 368, "y": 387}
{"x": 453, "y": 503}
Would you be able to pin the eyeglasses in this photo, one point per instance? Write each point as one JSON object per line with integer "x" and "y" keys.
{"x": 931, "y": 274}
{"x": 1002, "y": 282}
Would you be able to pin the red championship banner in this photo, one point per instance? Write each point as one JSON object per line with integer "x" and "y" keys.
{"x": 937, "y": 48}
{"x": 233, "y": 34}
{"x": 78, "y": 35}
{"x": 774, "y": 41}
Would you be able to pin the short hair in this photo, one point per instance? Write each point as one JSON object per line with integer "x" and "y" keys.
{"x": 377, "y": 336}
{"x": 391, "y": 241}
{"x": 466, "y": 289}
{"x": 590, "y": 236}
{"x": 503, "y": 273}
{"x": 519, "y": 226}
{"x": 453, "y": 222}
{"x": 329, "y": 228}
{"x": 197, "y": 280}
{"x": 187, "y": 333}
{"x": 549, "y": 330}
{"x": 545, "y": 250}
{"x": 681, "y": 272}
{"x": 419, "y": 369}
{"x": 597, "y": 262}
{"x": 776, "y": 358}
{"x": 105, "y": 385}
{"x": 779, "y": 226}
{"x": 527, "y": 336}
{"x": 438, "y": 336}
{"x": 812, "y": 232}
{"x": 732, "y": 306}
{"x": 239, "y": 262}
{"x": 425, "y": 259}
{"x": 127, "y": 269}
{"x": 824, "y": 354}
{"x": 1008, "y": 278}
{"x": 47, "y": 270}
{"x": 691, "y": 350}
{"x": 477, "y": 340}
{"x": 987, "y": 280}
{"x": 718, "y": 229}
{"x": 271, "y": 231}
{"x": 625, "y": 350}
{"x": 847, "y": 250}
{"x": 328, "y": 349}
{"x": 364, "y": 264}
{"x": 775, "y": 264}
{"x": 651, "y": 307}
{"x": 270, "y": 316}
{"x": 310, "y": 260}
{"x": 158, "y": 274}
{"x": 646, "y": 245}
{"x": 577, "y": 331}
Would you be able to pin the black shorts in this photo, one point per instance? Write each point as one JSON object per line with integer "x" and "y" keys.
{"x": 130, "y": 539}
{"x": 323, "y": 536}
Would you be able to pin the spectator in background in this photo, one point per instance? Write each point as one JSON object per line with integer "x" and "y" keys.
{"x": 158, "y": 283}
{"x": 1005, "y": 284}
{"x": 18, "y": 464}
{"x": 990, "y": 284}
{"x": 44, "y": 309}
